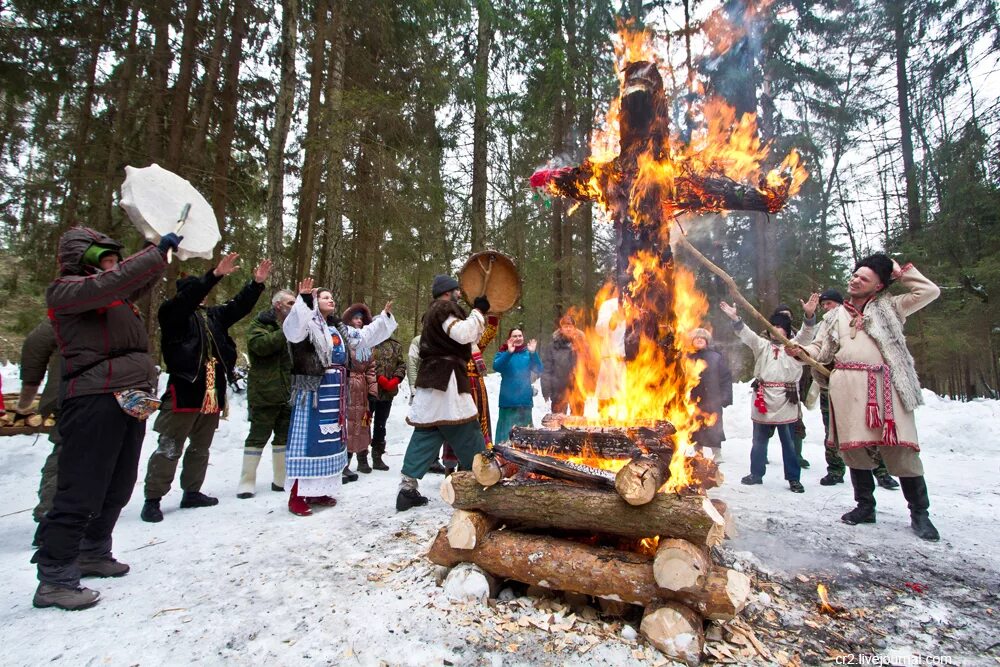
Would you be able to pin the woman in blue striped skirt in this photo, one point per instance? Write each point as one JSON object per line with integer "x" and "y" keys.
{"x": 316, "y": 452}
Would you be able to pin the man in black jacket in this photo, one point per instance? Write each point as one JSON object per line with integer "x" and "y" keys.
{"x": 200, "y": 356}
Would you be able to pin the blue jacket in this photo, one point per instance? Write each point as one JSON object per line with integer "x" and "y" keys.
{"x": 515, "y": 369}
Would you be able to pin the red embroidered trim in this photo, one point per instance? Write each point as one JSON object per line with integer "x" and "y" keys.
{"x": 872, "y": 420}
{"x": 858, "y": 444}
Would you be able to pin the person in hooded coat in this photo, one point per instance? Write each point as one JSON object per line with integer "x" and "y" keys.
{"x": 106, "y": 391}
{"x": 316, "y": 452}
{"x": 559, "y": 358}
{"x": 362, "y": 390}
{"x": 713, "y": 392}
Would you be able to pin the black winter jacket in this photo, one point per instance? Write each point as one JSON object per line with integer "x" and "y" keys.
{"x": 186, "y": 339}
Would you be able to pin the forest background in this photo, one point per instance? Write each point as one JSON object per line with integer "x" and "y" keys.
{"x": 374, "y": 144}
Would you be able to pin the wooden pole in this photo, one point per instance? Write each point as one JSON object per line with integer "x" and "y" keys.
{"x": 735, "y": 292}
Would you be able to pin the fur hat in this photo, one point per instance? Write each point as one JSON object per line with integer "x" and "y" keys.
{"x": 881, "y": 265}
{"x": 185, "y": 282}
{"x": 831, "y": 295}
{"x": 442, "y": 284}
{"x": 783, "y": 321}
{"x": 701, "y": 332}
{"x": 366, "y": 314}
{"x": 782, "y": 308}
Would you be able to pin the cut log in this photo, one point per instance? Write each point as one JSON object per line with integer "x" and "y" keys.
{"x": 467, "y": 529}
{"x": 725, "y": 594}
{"x": 680, "y": 565}
{"x": 486, "y": 469}
{"x": 556, "y": 468}
{"x": 727, "y": 517}
{"x": 603, "y": 443}
{"x": 571, "y": 507}
{"x": 676, "y": 631}
{"x": 469, "y": 582}
{"x": 640, "y": 479}
{"x": 659, "y": 427}
{"x": 564, "y": 565}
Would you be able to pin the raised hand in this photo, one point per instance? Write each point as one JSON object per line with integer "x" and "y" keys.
{"x": 262, "y": 271}
{"x": 306, "y": 286}
{"x": 227, "y": 265}
{"x": 532, "y": 345}
{"x": 729, "y": 310}
{"x": 388, "y": 306}
{"x": 809, "y": 307}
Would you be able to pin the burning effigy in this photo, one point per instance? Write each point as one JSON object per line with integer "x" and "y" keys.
{"x": 614, "y": 503}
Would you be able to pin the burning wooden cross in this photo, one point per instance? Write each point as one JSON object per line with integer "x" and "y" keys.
{"x": 644, "y": 186}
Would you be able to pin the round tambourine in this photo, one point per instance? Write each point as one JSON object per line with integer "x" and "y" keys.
{"x": 494, "y": 274}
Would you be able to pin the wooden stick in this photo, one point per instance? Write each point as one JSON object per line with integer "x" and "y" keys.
{"x": 735, "y": 292}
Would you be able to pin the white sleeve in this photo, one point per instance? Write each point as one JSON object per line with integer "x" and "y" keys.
{"x": 296, "y": 324}
{"x": 468, "y": 330}
{"x": 378, "y": 330}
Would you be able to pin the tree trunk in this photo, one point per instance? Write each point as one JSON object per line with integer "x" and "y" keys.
{"x": 901, "y": 42}
{"x": 159, "y": 68}
{"x": 314, "y": 140}
{"x": 122, "y": 112}
{"x": 568, "y": 507}
{"x": 229, "y": 100}
{"x": 283, "y": 107}
{"x": 333, "y": 228}
{"x": 213, "y": 68}
{"x": 182, "y": 87}
{"x": 480, "y": 148}
{"x": 79, "y": 150}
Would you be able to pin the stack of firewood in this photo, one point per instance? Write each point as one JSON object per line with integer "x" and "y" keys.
{"x": 539, "y": 519}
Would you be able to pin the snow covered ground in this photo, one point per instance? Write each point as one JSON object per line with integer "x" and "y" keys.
{"x": 248, "y": 583}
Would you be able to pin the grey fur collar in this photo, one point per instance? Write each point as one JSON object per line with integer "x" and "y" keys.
{"x": 885, "y": 325}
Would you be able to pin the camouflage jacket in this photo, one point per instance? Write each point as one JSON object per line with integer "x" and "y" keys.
{"x": 389, "y": 362}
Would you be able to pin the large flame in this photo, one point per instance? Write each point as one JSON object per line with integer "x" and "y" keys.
{"x": 657, "y": 383}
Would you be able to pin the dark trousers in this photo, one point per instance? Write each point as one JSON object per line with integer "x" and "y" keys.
{"x": 758, "y": 453}
{"x": 265, "y": 420}
{"x": 561, "y": 401}
{"x": 98, "y": 466}
{"x": 174, "y": 429}
{"x": 380, "y": 415}
{"x": 50, "y": 482}
{"x": 425, "y": 443}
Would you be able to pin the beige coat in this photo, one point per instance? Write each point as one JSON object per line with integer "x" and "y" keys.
{"x": 849, "y": 388}
{"x": 772, "y": 364}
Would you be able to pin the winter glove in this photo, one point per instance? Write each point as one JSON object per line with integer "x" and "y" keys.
{"x": 482, "y": 304}
{"x": 383, "y": 383}
{"x": 169, "y": 241}
{"x": 394, "y": 383}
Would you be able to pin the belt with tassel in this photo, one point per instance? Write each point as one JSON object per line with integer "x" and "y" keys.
{"x": 886, "y": 420}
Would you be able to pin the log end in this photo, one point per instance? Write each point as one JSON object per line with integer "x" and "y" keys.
{"x": 448, "y": 491}
{"x": 680, "y": 565}
{"x": 486, "y": 470}
{"x": 676, "y": 631}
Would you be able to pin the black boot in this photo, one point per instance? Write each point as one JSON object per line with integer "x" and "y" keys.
{"x": 407, "y": 498}
{"x": 348, "y": 474}
{"x": 378, "y": 449}
{"x": 863, "y": 482}
{"x": 151, "y": 512}
{"x": 831, "y": 478}
{"x": 887, "y": 482}
{"x": 363, "y": 463}
{"x": 915, "y": 492}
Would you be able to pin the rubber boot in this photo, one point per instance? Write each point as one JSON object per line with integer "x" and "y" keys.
{"x": 363, "y": 466}
{"x": 915, "y": 492}
{"x": 378, "y": 449}
{"x": 278, "y": 466}
{"x": 297, "y": 505}
{"x": 863, "y": 482}
{"x": 248, "y": 476}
